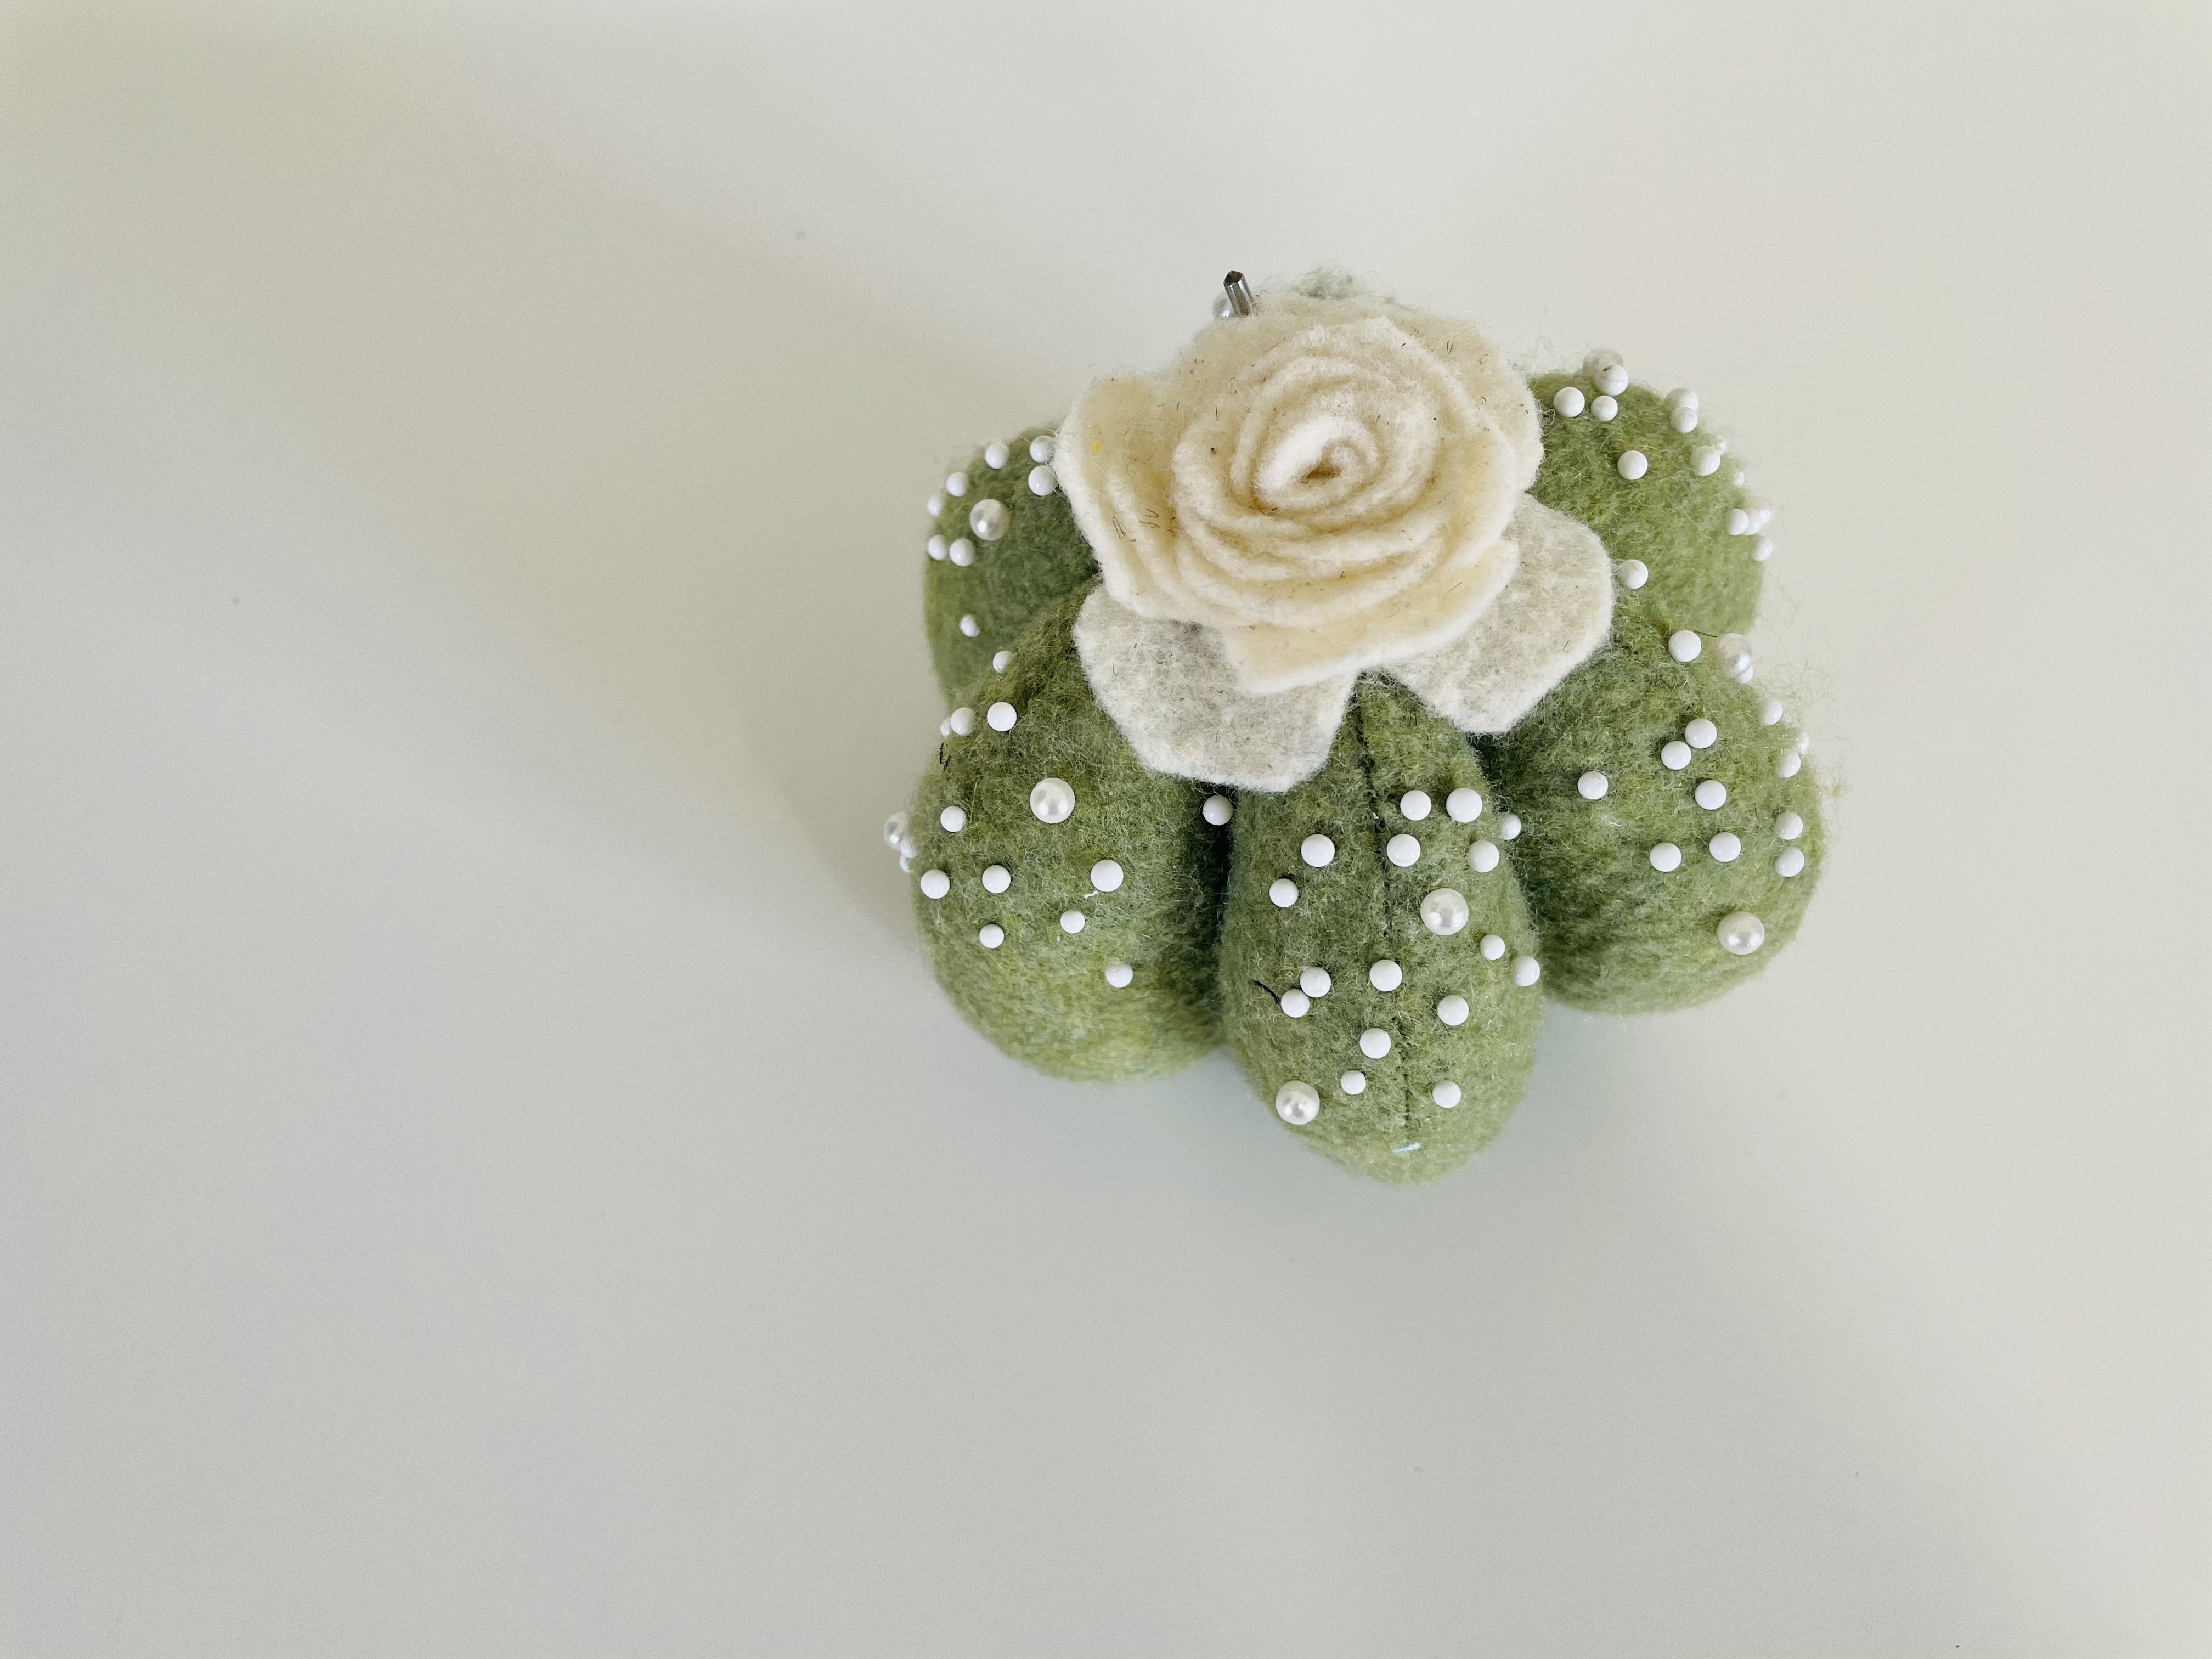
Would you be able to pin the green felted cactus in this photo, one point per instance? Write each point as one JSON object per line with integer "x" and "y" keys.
{"x": 1373, "y": 931}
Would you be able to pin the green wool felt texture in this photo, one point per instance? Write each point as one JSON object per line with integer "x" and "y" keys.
{"x": 1210, "y": 955}
{"x": 1360, "y": 908}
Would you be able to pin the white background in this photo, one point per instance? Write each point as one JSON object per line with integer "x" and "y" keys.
{"x": 484, "y": 1166}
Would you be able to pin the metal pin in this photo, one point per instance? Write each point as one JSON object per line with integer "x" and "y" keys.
{"x": 1239, "y": 293}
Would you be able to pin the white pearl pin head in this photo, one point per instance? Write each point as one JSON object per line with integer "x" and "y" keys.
{"x": 1071, "y": 922}
{"x": 1446, "y": 1094}
{"x": 989, "y": 520}
{"x": 1790, "y": 863}
{"x": 1452, "y": 1010}
{"x": 1770, "y": 712}
{"x": 1042, "y": 480}
{"x": 1527, "y": 970}
{"x": 1741, "y": 932}
{"x": 1386, "y": 975}
{"x": 1705, "y": 460}
{"x": 1000, "y": 717}
{"x": 1318, "y": 851}
{"x": 1735, "y": 657}
{"x": 996, "y": 454}
{"x": 1106, "y": 876}
{"x": 1763, "y": 549}
{"x": 1633, "y": 573}
{"x": 935, "y": 884}
{"x": 1666, "y": 858}
{"x": 934, "y": 505}
{"x": 1569, "y": 401}
{"x": 1726, "y": 848}
{"x": 997, "y": 879}
{"x": 895, "y": 828}
{"x": 1509, "y": 826}
{"x": 1119, "y": 973}
{"x": 1375, "y": 1043}
{"x": 1001, "y": 661}
{"x": 1675, "y": 756}
{"x": 1295, "y": 1003}
{"x": 1218, "y": 809}
{"x": 990, "y": 936}
{"x": 935, "y": 548}
{"x": 970, "y": 626}
{"x": 1492, "y": 947}
{"x": 1315, "y": 981}
{"x": 1683, "y": 645}
{"x": 961, "y": 722}
{"x": 1413, "y": 805}
{"x": 1711, "y": 794}
{"x": 1402, "y": 850}
{"x": 1789, "y": 826}
{"x": 1483, "y": 857}
{"x": 1604, "y": 407}
{"x": 1790, "y": 765}
{"x": 1633, "y": 465}
{"x": 952, "y": 820}
{"x": 1463, "y": 806}
{"x": 1591, "y": 786}
{"x": 1053, "y": 800}
{"x": 1297, "y": 1103}
{"x": 1443, "y": 912}
{"x": 963, "y": 553}
{"x": 1605, "y": 367}
{"x": 1353, "y": 1083}
{"x": 1041, "y": 450}
{"x": 1701, "y": 734}
{"x": 1282, "y": 892}
{"x": 956, "y": 485}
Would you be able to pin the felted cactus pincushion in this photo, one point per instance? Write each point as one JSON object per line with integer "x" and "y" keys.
{"x": 1339, "y": 692}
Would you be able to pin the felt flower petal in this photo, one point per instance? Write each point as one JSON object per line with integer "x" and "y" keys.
{"x": 1556, "y": 610}
{"x": 1171, "y": 690}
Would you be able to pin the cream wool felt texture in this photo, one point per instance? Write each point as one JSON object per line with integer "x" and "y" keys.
{"x": 1042, "y": 995}
{"x": 1172, "y": 691}
{"x": 1619, "y": 935}
{"x": 1326, "y": 482}
{"x": 1361, "y": 909}
{"x": 1042, "y": 557}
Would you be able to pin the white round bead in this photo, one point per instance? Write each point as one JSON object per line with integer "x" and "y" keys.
{"x": 1386, "y": 975}
{"x": 1736, "y": 477}
{"x": 1591, "y": 786}
{"x": 970, "y": 627}
{"x": 1106, "y": 876}
{"x": 1569, "y": 401}
{"x": 955, "y": 485}
{"x": 1298, "y": 1102}
{"x": 1634, "y": 573}
{"x": 1053, "y": 800}
{"x": 997, "y": 879}
{"x": 1633, "y": 465}
{"x": 935, "y": 884}
{"x": 1705, "y": 460}
{"x": 1725, "y": 847}
{"x": 1683, "y": 645}
{"x": 1413, "y": 805}
{"x": 1071, "y": 922}
{"x": 990, "y": 936}
{"x": 995, "y": 454}
{"x": 1735, "y": 653}
{"x": 1463, "y": 806}
{"x": 1353, "y": 1083}
{"x": 1527, "y": 970}
{"x": 1762, "y": 549}
{"x": 1446, "y": 1094}
{"x": 1711, "y": 794}
{"x": 1741, "y": 932}
{"x": 1678, "y": 396}
{"x": 1402, "y": 850}
{"x": 1375, "y": 1043}
{"x": 1804, "y": 743}
{"x": 1509, "y": 826}
{"x": 1119, "y": 973}
{"x": 1282, "y": 892}
{"x": 1791, "y": 862}
{"x": 1604, "y": 408}
{"x": 1770, "y": 712}
{"x": 1483, "y": 856}
{"x": 1000, "y": 717}
{"x": 1318, "y": 851}
{"x": 1001, "y": 661}
{"x": 953, "y": 819}
{"x": 1701, "y": 734}
{"x": 1685, "y": 419}
{"x": 1739, "y": 522}
{"x": 1608, "y": 370}
{"x": 1675, "y": 756}
{"x": 934, "y": 505}
{"x": 964, "y": 552}
{"x": 1789, "y": 826}
{"x": 895, "y": 828}
{"x": 1218, "y": 809}
{"x": 1295, "y": 1003}
{"x": 936, "y": 547}
{"x": 1666, "y": 858}
{"x": 961, "y": 722}
{"x": 989, "y": 520}
{"x": 1444, "y": 911}
{"x": 1315, "y": 981}
{"x": 1789, "y": 764}
{"x": 1041, "y": 450}
{"x": 1042, "y": 481}
{"x": 1452, "y": 1010}
{"x": 1760, "y": 517}
{"x": 1492, "y": 947}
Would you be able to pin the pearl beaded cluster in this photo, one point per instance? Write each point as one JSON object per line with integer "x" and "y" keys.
{"x": 1444, "y": 911}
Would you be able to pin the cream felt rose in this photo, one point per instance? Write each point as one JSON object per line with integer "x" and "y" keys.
{"x": 1328, "y": 486}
